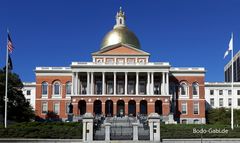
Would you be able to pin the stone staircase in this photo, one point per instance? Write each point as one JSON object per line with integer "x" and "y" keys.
{"x": 122, "y": 129}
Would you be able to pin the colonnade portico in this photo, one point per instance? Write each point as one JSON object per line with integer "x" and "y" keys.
{"x": 120, "y": 83}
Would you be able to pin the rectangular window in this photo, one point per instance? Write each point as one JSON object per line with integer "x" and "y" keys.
{"x": 44, "y": 108}
{"x": 238, "y": 101}
{"x": 120, "y": 87}
{"x": 56, "y": 108}
{"x": 142, "y": 87}
{"x": 229, "y": 101}
{"x": 109, "y": 87}
{"x": 229, "y": 92}
{"x": 184, "y": 108}
{"x": 212, "y": 101}
{"x": 238, "y": 92}
{"x": 211, "y": 92}
{"x": 195, "y": 108}
{"x": 28, "y": 92}
{"x": 220, "y": 102}
{"x": 131, "y": 87}
{"x": 220, "y": 92}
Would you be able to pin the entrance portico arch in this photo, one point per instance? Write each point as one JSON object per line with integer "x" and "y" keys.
{"x": 143, "y": 107}
{"x": 82, "y": 107}
{"x": 120, "y": 108}
{"x": 132, "y": 108}
{"x": 158, "y": 107}
{"x": 97, "y": 107}
{"x": 109, "y": 108}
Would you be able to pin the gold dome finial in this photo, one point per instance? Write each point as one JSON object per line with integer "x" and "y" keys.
{"x": 120, "y": 18}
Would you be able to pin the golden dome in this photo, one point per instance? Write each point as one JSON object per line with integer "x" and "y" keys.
{"x": 120, "y": 34}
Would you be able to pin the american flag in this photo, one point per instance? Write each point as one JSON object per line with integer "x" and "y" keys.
{"x": 9, "y": 44}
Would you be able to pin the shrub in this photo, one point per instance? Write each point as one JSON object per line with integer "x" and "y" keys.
{"x": 43, "y": 130}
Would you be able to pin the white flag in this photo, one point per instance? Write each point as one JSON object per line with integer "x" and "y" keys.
{"x": 230, "y": 47}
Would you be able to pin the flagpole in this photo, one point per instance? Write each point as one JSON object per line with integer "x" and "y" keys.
{"x": 232, "y": 86}
{"x": 6, "y": 86}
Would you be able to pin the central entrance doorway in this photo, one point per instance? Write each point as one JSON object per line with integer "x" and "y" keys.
{"x": 120, "y": 108}
{"x": 109, "y": 108}
{"x": 132, "y": 108}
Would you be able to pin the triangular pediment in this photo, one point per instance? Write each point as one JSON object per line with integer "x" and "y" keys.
{"x": 120, "y": 49}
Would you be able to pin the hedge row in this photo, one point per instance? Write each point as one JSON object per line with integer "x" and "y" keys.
{"x": 74, "y": 131}
{"x": 196, "y": 131}
{"x": 42, "y": 130}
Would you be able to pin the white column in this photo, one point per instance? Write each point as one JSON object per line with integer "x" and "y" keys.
{"x": 167, "y": 83}
{"x": 152, "y": 83}
{"x": 79, "y": 84}
{"x": 148, "y": 83}
{"x": 103, "y": 83}
{"x": 76, "y": 84}
{"x": 88, "y": 83}
{"x": 137, "y": 83}
{"x": 164, "y": 85}
{"x": 92, "y": 83}
{"x": 73, "y": 74}
{"x": 115, "y": 83}
{"x": 126, "y": 79}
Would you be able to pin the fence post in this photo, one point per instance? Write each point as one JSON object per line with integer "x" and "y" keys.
{"x": 107, "y": 131}
{"x": 135, "y": 131}
{"x": 154, "y": 126}
{"x": 87, "y": 127}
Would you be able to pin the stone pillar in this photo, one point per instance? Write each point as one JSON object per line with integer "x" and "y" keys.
{"x": 88, "y": 83}
{"x": 92, "y": 83}
{"x": 137, "y": 107}
{"x": 148, "y": 83}
{"x": 137, "y": 82}
{"x": 75, "y": 108}
{"x": 114, "y": 108}
{"x": 107, "y": 131}
{"x": 152, "y": 84}
{"x": 103, "y": 108}
{"x": 167, "y": 83}
{"x": 126, "y": 82}
{"x": 154, "y": 126}
{"x": 87, "y": 127}
{"x": 103, "y": 83}
{"x": 126, "y": 108}
{"x": 150, "y": 107}
{"x": 135, "y": 131}
{"x": 115, "y": 83}
{"x": 89, "y": 107}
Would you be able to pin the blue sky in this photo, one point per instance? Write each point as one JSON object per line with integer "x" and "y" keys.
{"x": 186, "y": 33}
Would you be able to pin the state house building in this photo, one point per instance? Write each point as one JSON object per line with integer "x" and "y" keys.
{"x": 122, "y": 81}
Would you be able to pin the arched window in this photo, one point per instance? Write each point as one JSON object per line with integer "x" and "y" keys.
{"x": 56, "y": 88}
{"x": 44, "y": 88}
{"x": 195, "y": 88}
{"x": 68, "y": 88}
{"x": 183, "y": 88}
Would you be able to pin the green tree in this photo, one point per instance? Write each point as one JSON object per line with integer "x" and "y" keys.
{"x": 19, "y": 109}
{"x": 222, "y": 116}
